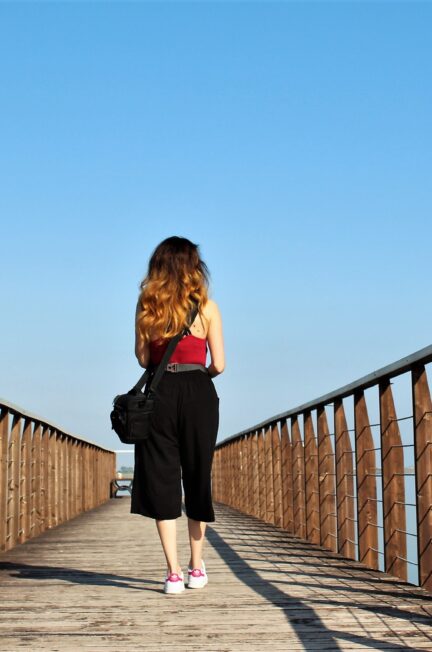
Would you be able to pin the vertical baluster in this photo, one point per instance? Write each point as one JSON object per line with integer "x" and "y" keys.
{"x": 422, "y": 411}
{"x": 35, "y": 496}
{"x": 311, "y": 481}
{"x": 231, "y": 474}
{"x": 277, "y": 483}
{"x": 344, "y": 483}
{"x": 25, "y": 482}
{"x": 366, "y": 484}
{"x": 45, "y": 498}
{"x": 67, "y": 484}
{"x": 13, "y": 483}
{"x": 392, "y": 469}
{"x": 80, "y": 476}
{"x": 298, "y": 472}
{"x": 261, "y": 476}
{"x": 287, "y": 479}
{"x": 255, "y": 475}
{"x": 246, "y": 464}
{"x": 52, "y": 478}
{"x": 4, "y": 441}
{"x": 269, "y": 475}
{"x": 327, "y": 493}
{"x": 225, "y": 469}
{"x": 240, "y": 474}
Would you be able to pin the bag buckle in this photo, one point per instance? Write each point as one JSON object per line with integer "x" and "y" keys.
{"x": 172, "y": 366}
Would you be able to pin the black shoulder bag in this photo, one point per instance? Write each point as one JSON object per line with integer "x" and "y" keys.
{"x": 132, "y": 412}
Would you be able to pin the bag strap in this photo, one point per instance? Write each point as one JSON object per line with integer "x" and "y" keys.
{"x": 160, "y": 368}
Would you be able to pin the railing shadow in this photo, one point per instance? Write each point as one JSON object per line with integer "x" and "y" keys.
{"x": 220, "y": 539}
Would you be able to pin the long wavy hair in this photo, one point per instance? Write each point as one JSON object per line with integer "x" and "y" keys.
{"x": 176, "y": 278}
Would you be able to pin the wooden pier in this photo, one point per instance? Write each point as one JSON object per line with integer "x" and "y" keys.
{"x": 95, "y": 582}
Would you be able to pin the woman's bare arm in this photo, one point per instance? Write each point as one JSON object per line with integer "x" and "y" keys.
{"x": 215, "y": 341}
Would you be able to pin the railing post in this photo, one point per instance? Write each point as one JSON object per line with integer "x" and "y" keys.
{"x": 311, "y": 481}
{"x": 242, "y": 489}
{"x": 261, "y": 476}
{"x": 298, "y": 471}
{"x": 37, "y": 484}
{"x": 13, "y": 483}
{"x": 277, "y": 484}
{"x": 270, "y": 514}
{"x": 344, "y": 483}
{"x": 25, "y": 483}
{"x": 327, "y": 484}
{"x": 52, "y": 476}
{"x": 246, "y": 465}
{"x": 366, "y": 484}
{"x": 287, "y": 479}
{"x": 4, "y": 443}
{"x": 255, "y": 477}
{"x": 422, "y": 409}
{"x": 392, "y": 469}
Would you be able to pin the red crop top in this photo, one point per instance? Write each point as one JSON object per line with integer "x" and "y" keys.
{"x": 190, "y": 350}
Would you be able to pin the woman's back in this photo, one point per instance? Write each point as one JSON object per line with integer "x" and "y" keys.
{"x": 192, "y": 348}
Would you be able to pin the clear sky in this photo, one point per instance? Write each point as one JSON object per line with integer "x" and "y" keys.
{"x": 291, "y": 141}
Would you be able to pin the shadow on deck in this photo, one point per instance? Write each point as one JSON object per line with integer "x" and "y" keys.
{"x": 95, "y": 582}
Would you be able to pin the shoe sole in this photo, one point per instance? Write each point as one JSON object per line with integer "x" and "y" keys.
{"x": 198, "y": 587}
{"x": 174, "y": 592}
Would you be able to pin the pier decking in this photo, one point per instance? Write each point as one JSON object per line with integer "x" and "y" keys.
{"x": 95, "y": 582}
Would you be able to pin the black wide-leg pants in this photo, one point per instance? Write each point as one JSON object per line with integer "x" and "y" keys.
{"x": 179, "y": 450}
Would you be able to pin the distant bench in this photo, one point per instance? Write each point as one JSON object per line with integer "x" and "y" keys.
{"x": 120, "y": 482}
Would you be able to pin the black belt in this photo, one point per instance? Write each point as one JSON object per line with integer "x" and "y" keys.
{"x": 183, "y": 366}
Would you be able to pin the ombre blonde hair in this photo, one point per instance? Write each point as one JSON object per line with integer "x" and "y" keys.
{"x": 176, "y": 278}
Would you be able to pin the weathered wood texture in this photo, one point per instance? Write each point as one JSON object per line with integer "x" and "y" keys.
{"x": 46, "y": 476}
{"x": 96, "y": 583}
{"x": 323, "y": 486}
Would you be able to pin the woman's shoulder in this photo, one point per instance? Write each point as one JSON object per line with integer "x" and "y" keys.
{"x": 210, "y": 308}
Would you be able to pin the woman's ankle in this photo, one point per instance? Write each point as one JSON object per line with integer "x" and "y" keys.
{"x": 199, "y": 565}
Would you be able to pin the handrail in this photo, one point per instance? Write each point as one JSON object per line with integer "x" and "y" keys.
{"x": 389, "y": 371}
{"x": 323, "y": 486}
{"x": 47, "y": 475}
{"x": 16, "y": 409}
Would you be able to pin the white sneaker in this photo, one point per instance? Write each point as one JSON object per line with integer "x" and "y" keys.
{"x": 174, "y": 583}
{"x": 197, "y": 577}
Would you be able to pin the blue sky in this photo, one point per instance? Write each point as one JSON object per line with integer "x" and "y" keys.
{"x": 292, "y": 141}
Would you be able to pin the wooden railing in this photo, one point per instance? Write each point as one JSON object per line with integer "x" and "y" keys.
{"x": 290, "y": 470}
{"x": 47, "y": 476}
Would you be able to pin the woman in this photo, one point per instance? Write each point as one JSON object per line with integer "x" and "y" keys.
{"x": 186, "y": 416}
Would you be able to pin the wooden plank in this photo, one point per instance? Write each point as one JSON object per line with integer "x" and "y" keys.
{"x": 393, "y": 480}
{"x": 25, "y": 482}
{"x": 12, "y": 511}
{"x": 4, "y": 446}
{"x": 267, "y": 590}
{"x": 277, "y": 483}
{"x": 269, "y": 496}
{"x": 327, "y": 483}
{"x": 44, "y": 475}
{"x": 261, "y": 476}
{"x": 344, "y": 483}
{"x": 311, "y": 481}
{"x": 36, "y": 496}
{"x": 287, "y": 479}
{"x": 255, "y": 477}
{"x": 298, "y": 471}
{"x": 422, "y": 409}
{"x": 366, "y": 484}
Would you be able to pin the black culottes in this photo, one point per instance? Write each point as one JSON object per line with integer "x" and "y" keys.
{"x": 180, "y": 449}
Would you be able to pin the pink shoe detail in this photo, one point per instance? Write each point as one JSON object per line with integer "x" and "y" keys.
{"x": 196, "y": 572}
{"x": 174, "y": 577}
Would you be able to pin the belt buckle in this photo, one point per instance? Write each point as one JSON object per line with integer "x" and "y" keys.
{"x": 172, "y": 366}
